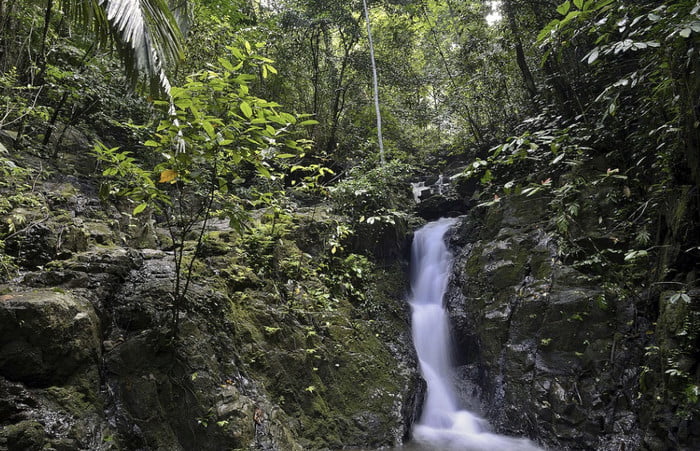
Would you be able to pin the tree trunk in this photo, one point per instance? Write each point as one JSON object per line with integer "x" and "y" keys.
{"x": 376, "y": 86}
{"x": 528, "y": 79}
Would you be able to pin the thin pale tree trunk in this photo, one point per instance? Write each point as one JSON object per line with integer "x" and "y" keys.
{"x": 376, "y": 86}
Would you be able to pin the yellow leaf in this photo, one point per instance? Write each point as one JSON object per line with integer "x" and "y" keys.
{"x": 167, "y": 176}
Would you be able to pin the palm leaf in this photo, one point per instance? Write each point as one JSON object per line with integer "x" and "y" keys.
{"x": 146, "y": 33}
{"x": 147, "y": 36}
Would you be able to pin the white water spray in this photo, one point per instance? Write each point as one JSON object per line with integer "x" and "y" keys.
{"x": 442, "y": 424}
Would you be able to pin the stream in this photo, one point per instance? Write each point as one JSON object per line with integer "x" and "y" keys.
{"x": 443, "y": 425}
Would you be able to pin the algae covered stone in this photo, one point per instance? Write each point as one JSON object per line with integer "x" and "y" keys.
{"x": 46, "y": 336}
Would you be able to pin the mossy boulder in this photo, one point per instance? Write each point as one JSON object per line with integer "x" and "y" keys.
{"x": 47, "y": 336}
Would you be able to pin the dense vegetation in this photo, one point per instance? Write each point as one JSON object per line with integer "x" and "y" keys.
{"x": 261, "y": 112}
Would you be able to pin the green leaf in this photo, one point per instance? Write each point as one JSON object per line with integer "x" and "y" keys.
{"x": 206, "y": 125}
{"x": 547, "y": 31}
{"x": 289, "y": 118}
{"x": 569, "y": 17}
{"x": 236, "y": 52}
{"x": 262, "y": 170}
{"x": 139, "y": 208}
{"x": 246, "y": 109}
{"x": 578, "y": 4}
{"x": 564, "y": 8}
{"x": 226, "y": 64}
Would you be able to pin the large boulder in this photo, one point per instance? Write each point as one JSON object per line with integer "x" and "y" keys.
{"x": 47, "y": 336}
{"x": 50, "y": 351}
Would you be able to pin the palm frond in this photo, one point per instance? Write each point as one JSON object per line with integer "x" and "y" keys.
{"x": 147, "y": 36}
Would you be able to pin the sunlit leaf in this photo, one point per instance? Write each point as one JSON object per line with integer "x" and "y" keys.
{"x": 140, "y": 208}
{"x": 167, "y": 176}
{"x": 246, "y": 109}
{"x": 564, "y": 8}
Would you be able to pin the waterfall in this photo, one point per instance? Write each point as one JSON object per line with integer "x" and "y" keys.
{"x": 443, "y": 425}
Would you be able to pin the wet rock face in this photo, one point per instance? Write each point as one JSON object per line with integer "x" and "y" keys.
{"x": 50, "y": 351}
{"x": 553, "y": 359}
{"x": 87, "y": 361}
{"x": 47, "y": 336}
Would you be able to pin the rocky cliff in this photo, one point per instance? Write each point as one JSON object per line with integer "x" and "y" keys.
{"x": 274, "y": 351}
{"x": 548, "y": 352}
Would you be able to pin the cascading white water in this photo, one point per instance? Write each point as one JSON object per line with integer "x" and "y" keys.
{"x": 442, "y": 424}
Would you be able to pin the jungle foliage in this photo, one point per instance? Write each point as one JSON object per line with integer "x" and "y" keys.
{"x": 588, "y": 106}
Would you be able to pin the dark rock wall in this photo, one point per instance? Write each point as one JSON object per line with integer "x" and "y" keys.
{"x": 87, "y": 360}
{"x": 546, "y": 352}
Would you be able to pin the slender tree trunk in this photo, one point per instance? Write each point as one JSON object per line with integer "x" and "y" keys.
{"x": 45, "y": 31}
{"x": 376, "y": 86}
{"x": 528, "y": 79}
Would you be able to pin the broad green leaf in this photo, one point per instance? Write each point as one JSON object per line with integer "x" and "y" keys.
{"x": 183, "y": 103}
{"x": 139, "y": 208}
{"x": 262, "y": 58}
{"x": 236, "y": 52}
{"x": 263, "y": 171}
{"x": 564, "y": 8}
{"x": 289, "y": 118}
{"x": 578, "y": 4}
{"x": 206, "y": 125}
{"x": 569, "y": 17}
{"x": 548, "y": 30}
{"x": 226, "y": 64}
{"x": 246, "y": 109}
{"x": 277, "y": 119}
